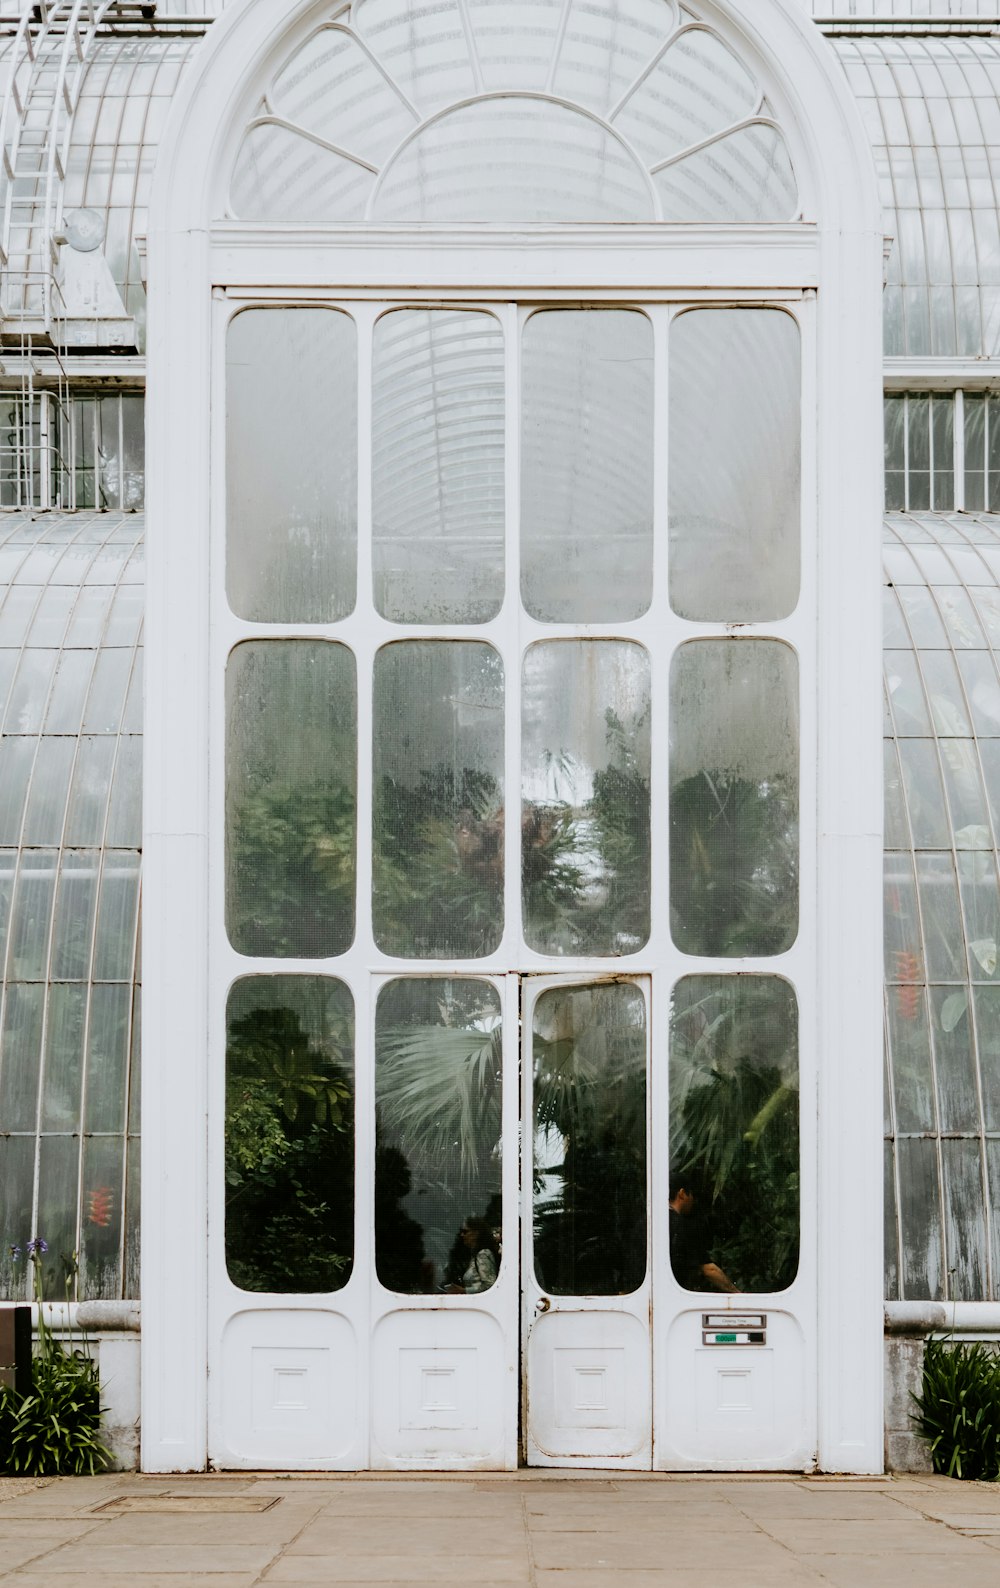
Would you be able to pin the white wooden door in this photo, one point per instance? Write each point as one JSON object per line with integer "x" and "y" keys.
{"x": 586, "y": 1363}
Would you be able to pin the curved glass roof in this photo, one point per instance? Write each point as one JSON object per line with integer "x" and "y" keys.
{"x": 71, "y": 596}
{"x": 942, "y": 905}
{"x": 932, "y": 110}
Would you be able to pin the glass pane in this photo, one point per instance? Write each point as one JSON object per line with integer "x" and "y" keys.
{"x": 891, "y": 1236}
{"x": 746, "y": 176}
{"x": 291, "y": 470}
{"x": 924, "y": 800}
{"x": 734, "y": 1133}
{"x": 64, "y": 1046}
{"x": 17, "y": 1181}
{"x": 589, "y": 1139}
{"x": 114, "y": 945}
{"x": 975, "y": 478}
{"x": 21, "y": 1054}
{"x": 964, "y": 1220}
{"x": 31, "y": 917}
{"x": 942, "y": 923}
{"x": 909, "y": 1053}
{"x": 290, "y": 798}
{"x": 101, "y": 1222}
{"x": 585, "y": 872}
{"x": 987, "y": 1010}
{"x": 289, "y": 1134}
{"x": 512, "y": 159}
{"x": 282, "y": 176}
{"x": 943, "y": 440}
{"x": 439, "y": 804}
{"x": 58, "y": 1186}
{"x": 424, "y": 45}
{"x": 438, "y": 1086}
{"x": 46, "y": 812}
{"x": 697, "y": 88}
{"x": 587, "y": 465}
{"x": 895, "y": 457}
{"x": 438, "y": 466}
{"x": 920, "y": 1219}
{"x": 734, "y": 767}
{"x": 74, "y": 915}
{"x": 734, "y": 464}
{"x": 332, "y": 88}
{"x": 107, "y": 1057}
{"x": 603, "y": 48}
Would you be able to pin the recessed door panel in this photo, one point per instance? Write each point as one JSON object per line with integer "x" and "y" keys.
{"x": 587, "y": 1389}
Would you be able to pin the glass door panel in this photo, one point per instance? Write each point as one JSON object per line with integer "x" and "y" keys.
{"x": 585, "y": 1235}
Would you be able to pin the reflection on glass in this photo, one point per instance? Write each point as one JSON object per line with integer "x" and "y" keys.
{"x": 734, "y": 464}
{"x": 439, "y": 817}
{"x": 438, "y": 1085}
{"x": 291, "y": 753}
{"x": 291, "y": 483}
{"x": 734, "y": 762}
{"x": 585, "y": 797}
{"x": 587, "y": 465}
{"x": 289, "y": 1134}
{"x": 438, "y": 466}
{"x": 734, "y": 1133}
{"x": 589, "y": 1143}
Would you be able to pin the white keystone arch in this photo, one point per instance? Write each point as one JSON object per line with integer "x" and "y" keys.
{"x": 834, "y": 252}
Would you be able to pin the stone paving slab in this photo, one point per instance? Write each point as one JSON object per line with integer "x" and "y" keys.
{"x": 538, "y": 1529}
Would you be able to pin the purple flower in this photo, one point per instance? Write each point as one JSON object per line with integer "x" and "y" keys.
{"x": 36, "y": 1247}
{"x": 15, "y": 1252}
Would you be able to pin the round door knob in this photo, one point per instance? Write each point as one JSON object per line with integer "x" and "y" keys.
{"x": 542, "y": 1304}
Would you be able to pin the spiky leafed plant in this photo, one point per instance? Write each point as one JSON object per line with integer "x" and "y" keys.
{"x": 439, "y": 1092}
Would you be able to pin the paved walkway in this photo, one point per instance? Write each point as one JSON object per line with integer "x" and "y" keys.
{"x": 555, "y": 1530}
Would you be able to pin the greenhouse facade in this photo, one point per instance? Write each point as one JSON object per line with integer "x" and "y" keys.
{"x": 503, "y": 388}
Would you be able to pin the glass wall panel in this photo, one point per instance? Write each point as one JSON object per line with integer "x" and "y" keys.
{"x": 291, "y": 754}
{"x": 909, "y": 1053}
{"x": 745, "y": 176}
{"x": 734, "y": 1133}
{"x": 735, "y": 472}
{"x": 439, "y": 804}
{"x": 734, "y": 797}
{"x": 438, "y": 1089}
{"x": 17, "y": 1185}
{"x": 587, "y": 465}
{"x": 65, "y": 1032}
{"x": 922, "y": 1264}
{"x": 697, "y": 88}
{"x": 107, "y": 1057}
{"x": 585, "y": 746}
{"x": 438, "y": 466}
{"x": 589, "y": 1134}
{"x": 103, "y": 1187}
{"x": 291, "y": 465}
{"x": 56, "y": 1222}
{"x": 289, "y": 1134}
{"x": 964, "y": 1219}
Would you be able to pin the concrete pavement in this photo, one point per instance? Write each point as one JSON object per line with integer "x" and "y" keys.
{"x": 549, "y": 1530}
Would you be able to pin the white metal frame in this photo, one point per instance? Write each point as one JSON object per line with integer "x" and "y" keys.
{"x": 837, "y": 618}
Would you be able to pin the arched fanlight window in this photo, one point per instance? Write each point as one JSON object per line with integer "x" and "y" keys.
{"x": 468, "y": 111}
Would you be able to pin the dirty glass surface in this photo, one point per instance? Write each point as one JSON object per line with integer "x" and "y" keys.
{"x": 585, "y": 797}
{"x": 291, "y": 465}
{"x": 438, "y": 840}
{"x": 291, "y": 757}
{"x": 587, "y": 465}
{"x": 734, "y": 477}
{"x": 438, "y": 1093}
{"x": 438, "y": 466}
{"x": 289, "y": 1133}
{"x": 734, "y": 761}
{"x": 734, "y": 1133}
{"x": 589, "y": 1139}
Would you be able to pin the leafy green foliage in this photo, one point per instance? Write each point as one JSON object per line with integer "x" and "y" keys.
{"x": 733, "y": 865}
{"x": 55, "y": 1429}
{"x": 289, "y": 1154}
{"x": 292, "y": 871}
{"x": 958, "y": 1408}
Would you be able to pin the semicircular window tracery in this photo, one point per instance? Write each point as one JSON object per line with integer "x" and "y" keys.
{"x": 404, "y": 111}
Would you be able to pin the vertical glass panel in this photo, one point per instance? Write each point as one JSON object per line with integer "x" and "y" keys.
{"x": 903, "y": 944}
{"x": 891, "y": 1226}
{"x": 895, "y": 456}
{"x": 992, "y": 454}
{"x": 974, "y": 411}
{"x": 72, "y": 938}
{"x": 942, "y": 922}
{"x": 589, "y": 1136}
{"x": 966, "y": 795}
{"x": 919, "y": 442}
{"x": 438, "y": 466}
{"x": 439, "y": 805}
{"x": 980, "y": 680}
{"x": 26, "y": 704}
{"x": 134, "y": 452}
{"x": 101, "y": 1217}
{"x": 734, "y": 476}
{"x": 920, "y": 1218}
{"x": 438, "y": 1087}
{"x": 32, "y": 916}
{"x": 734, "y": 763}
{"x": 926, "y": 630}
{"x": 17, "y": 756}
{"x": 944, "y": 691}
{"x": 69, "y": 691}
{"x": 103, "y": 712}
{"x": 46, "y": 812}
{"x": 20, "y": 1055}
{"x": 124, "y": 829}
{"x": 943, "y": 441}
{"x": 924, "y": 799}
{"x": 958, "y": 1104}
{"x": 130, "y": 1276}
{"x": 585, "y": 746}
{"x": 977, "y": 880}
{"x": 114, "y": 946}
{"x": 56, "y": 1223}
{"x": 746, "y": 176}
{"x": 896, "y": 831}
{"x": 909, "y": 1053}
{"x": 89, "y": 794}
{"x": 290, "y": 1134}
{"x": 64, "y": 1045}
{"x": 8, "y": 871}
{"x": 587, "y": 465}
{"x": 964, "y": 1220}
{"x": 107, "y": 1057}
{"x": 281, "y": 176}
{"x": 734, "y": 1133}
{"x": 17, "y": 1184}
{"x": 291, "y": 469}
{"x": 291, "y": 755}
{"x": 987, "y": 1011}
{"x": 906, "y": 694}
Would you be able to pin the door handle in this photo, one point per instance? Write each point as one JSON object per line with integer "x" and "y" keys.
{"x": 542, "y": 1304}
